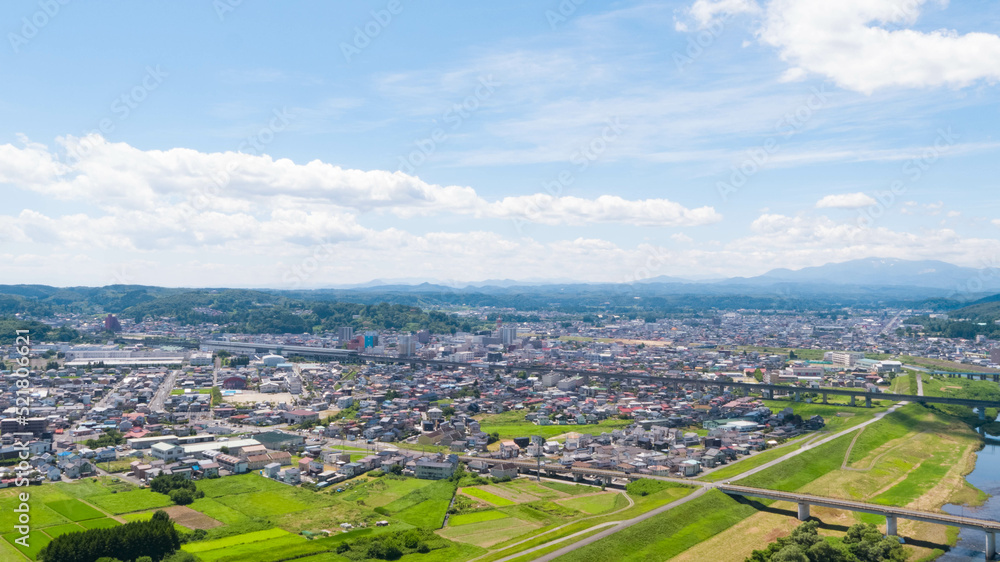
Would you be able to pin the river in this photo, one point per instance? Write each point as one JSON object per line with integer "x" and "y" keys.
{"x": 986, "y": 477}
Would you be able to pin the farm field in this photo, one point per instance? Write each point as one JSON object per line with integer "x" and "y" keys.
{"x": 480, "y": 493}
{"x": 476, "y": 517}
{"x": 74, "y": 510}
{"x": 488, "y": 533}
{"x": 597, "y": 503}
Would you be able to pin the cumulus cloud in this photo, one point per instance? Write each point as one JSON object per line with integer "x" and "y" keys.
{"x": 846, "y": 201}
{"x": 118, "y": 177}
{"x": 866, "y": 45}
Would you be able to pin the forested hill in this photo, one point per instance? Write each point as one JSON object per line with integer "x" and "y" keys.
{"x": 267, "y": 313}
{"x": 238, "y": 310}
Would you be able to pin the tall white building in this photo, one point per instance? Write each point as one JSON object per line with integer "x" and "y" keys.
{"x": 508, "y": 334}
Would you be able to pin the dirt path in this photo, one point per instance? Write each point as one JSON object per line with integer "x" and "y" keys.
{"x": 920, "y": 384}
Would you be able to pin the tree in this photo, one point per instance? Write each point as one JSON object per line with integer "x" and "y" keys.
{"x": 862, "y": 543}
{"x": 181, "y": 496}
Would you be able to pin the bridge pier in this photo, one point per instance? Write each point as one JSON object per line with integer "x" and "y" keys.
{"x": 982, "y": 413}
{"x": 890, "y": 526}
{"x": 824, "y": 398}
{"x": 852, "y": 401}
{"x": 803, "y": 511}
{"x": 868, "y": 401}
{"x": 577, "y": 477}
{"x": 991, "y": 545}
{"x": 798, "y": 396}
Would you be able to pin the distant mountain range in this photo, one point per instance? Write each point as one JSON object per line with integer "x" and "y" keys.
{"x": 943, "y": 277}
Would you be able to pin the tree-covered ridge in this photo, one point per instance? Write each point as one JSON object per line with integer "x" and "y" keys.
{"x": 36, "y": 331}
{"x": 260, "y": 312}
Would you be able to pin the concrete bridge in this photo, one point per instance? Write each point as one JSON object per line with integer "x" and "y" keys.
{"x": 891, "y": 514}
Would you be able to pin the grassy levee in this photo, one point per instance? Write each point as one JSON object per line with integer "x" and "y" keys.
{"x": 915, "y": 457}
{"x": 665, "y": 492}
{"x": 669, "y": 533}
{"x": 753, "y": 461}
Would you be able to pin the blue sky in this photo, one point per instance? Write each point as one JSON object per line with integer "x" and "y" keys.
{"x": 304, "y": 144}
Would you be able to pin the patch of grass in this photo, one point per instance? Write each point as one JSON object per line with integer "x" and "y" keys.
{"x": 218, "y": 511}
{"x": 263, "y": 504}
{"x": 57, "y": 530}
{"x": 441, "y": 490}
{"x": 146, "y": 516}
{"x": 595, "y": 504}
{"x": 245, "y": 538}
{"x": 74, "y": 510}
{"x": 428, "y": 514}
{"x": 481, "y": 494}
{"x": 642, "y": 505}
{"x": 752, "y": 461}
{"x": 105, "y": 523}
{"x": 241, "y": 484}
{"x": 572, "y": 489}
{"x": 488, "y": 533}
{"x": 668, "y": 534}
{"x": 135, "y": 500}
{"x": 383, "y": 491}
{"x": 798, "y": 471}
{"x": 37, "y": 540}
{"x": 281, "y": 548}
{"x": 476, "y": 517}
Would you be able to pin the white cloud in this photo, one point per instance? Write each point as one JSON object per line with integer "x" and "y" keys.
{"x": 182, "y": 182}
{"x": 846, "y": 201}
{"x": 706, "y": 12}
{"x": 865, "y": 45}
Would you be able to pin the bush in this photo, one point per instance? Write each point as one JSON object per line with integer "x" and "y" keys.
{"x": 181, "y": 496}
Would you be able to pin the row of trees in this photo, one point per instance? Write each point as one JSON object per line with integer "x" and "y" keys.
{"x": 156, "y": 539}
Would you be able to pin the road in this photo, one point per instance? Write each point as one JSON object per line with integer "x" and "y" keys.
{"x": 920, "y": 384}
{"x": 156, "y": 404}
